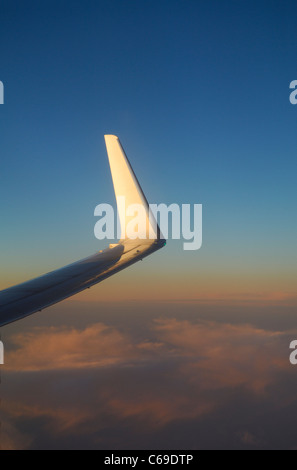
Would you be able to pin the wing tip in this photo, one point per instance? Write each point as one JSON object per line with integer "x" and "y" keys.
{"x": 110, "y": 137}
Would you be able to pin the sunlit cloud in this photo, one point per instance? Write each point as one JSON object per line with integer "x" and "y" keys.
{"x": 181, "y": 370}
{"x": 224, "y": 355}
{"x": 137, "y": 372}
{"x": 55, "y": 349}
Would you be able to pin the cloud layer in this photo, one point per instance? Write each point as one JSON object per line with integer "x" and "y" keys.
{"x": 102, "y": 386}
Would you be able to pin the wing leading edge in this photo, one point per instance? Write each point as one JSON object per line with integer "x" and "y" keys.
{"x": 30, "y": 297}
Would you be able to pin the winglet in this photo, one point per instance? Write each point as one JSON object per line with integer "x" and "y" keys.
{"x": 128, "y": 190}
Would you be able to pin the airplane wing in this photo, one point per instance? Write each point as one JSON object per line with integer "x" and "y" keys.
{"x": 30, "y": 297}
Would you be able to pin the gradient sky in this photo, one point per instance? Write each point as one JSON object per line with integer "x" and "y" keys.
{"x": 198, "y": 93}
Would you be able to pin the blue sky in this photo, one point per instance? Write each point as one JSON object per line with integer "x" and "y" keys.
{"x": 198, "y": 93}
